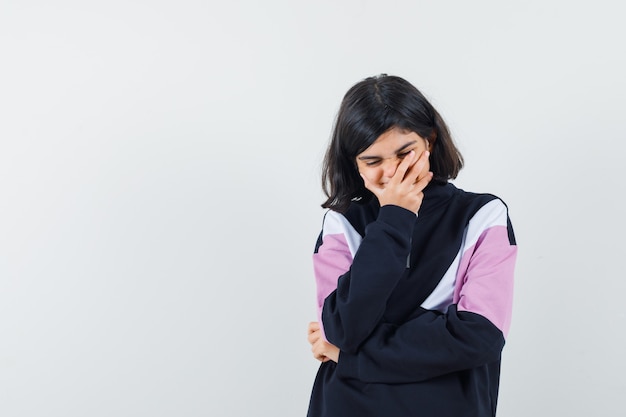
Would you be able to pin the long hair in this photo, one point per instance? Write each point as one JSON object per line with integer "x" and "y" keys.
{"x": 370, "y": 108}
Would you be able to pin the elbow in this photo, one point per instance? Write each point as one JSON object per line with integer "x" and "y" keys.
{"x": 347, "y": 347}
{"x": 346, "y": 338}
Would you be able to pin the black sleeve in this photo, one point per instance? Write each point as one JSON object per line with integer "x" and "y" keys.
{"x": 430, "y": 345}
{"x": 352, "y": 311}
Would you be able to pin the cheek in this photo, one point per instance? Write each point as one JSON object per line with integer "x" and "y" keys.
{"x": 372, "y": 174}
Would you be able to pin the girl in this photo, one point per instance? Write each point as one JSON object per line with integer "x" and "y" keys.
{"x": 414, "y": 276}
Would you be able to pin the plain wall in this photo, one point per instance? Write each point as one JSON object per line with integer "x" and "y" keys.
{"x": 159, "y": 192}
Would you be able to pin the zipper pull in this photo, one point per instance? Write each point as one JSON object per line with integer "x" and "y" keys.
{"x": 408, "y": 257}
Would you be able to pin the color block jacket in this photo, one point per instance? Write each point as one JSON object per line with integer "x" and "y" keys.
{"x": 418, "y": 305}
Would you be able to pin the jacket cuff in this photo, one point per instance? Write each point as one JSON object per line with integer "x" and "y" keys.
{"x": 397, "y": 217}
{"x": 347, "y": 365}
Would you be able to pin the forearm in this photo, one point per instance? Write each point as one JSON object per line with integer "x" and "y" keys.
{"x": 428, "y": 346}
{"x": 471, "y": 333}
{"x": 352, "y": 311}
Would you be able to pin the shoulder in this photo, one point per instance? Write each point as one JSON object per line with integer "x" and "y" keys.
{"x": 334, "y": 222}
{"x": 360, "y": 213}
{"x": 337, "y": 231}
{"x": 485, "y": 202}
{"x": 490, "y": 211}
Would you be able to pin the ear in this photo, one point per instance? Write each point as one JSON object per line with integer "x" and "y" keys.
{"x": 430, "y": 140}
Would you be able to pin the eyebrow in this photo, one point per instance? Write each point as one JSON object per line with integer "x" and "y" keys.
{"x": 367, "y": 157}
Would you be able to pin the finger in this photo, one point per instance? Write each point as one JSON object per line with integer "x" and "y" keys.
{"x": 313, "y": 326}
{"x": 403, "y": 168}
{"x": 423, "y": 174}
{"x": 416, "y": 171}
{"x": 314, "y": 337}
{"x": 318, "y": 350}
{"x": 423, "y": 182}
{"x": 318, "y": 356}
{"x": 315, "y": 334}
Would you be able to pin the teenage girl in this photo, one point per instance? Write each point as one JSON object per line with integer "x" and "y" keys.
{"x": 414, "y": 276}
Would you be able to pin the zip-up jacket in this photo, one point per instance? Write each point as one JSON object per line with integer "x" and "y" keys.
{"x": 419, "y": 306}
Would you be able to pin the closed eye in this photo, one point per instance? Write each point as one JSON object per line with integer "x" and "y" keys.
{"x": 405, "y": 153}
{"x": 401, "y": 153}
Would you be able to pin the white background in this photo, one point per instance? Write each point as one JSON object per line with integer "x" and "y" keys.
{"x": 159, "y": 192}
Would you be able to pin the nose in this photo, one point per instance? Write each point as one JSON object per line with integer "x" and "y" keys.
{"x": 389, "y": 167}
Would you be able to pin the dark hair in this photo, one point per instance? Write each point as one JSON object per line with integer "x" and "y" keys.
{"x": 370, "y": 108}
